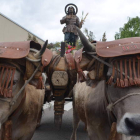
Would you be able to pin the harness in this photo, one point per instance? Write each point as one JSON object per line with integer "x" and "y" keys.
{"x": 8, "y": 50}
{"x": 119, "y": 49}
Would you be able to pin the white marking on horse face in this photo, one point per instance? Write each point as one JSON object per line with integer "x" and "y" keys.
{"x": 129, "y": 123}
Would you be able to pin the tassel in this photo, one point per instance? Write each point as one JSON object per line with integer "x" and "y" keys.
{"x": 135, "y": 81}
{"x": 109, "y": 82}
{"x": 134, "y": 70}
{"x": 40, "y": 84}
{"x": 121, "y": 76}
{"x": 138, "y": 82}
{"x": 138, "y": 66}
{"x": 131, "y": 82}
{"x": 112, "y": 76}
{"x": 121, "y": 83}
{"x": 118, "y": 82}
{"x": 126, "y": 82}
{"x": 10, "y": 93}
{"x": 126, "y": 79}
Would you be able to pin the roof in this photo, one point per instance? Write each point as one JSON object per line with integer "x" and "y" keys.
{"x": 20, "y": 26}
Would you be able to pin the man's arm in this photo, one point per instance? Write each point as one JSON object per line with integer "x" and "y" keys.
{"x": 63, "y": 20}
{"x": 78, "y": 23}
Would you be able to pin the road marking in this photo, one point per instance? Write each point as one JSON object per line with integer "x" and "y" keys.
{"x": 48, "y": 105}
{"x": 68, "y": 106}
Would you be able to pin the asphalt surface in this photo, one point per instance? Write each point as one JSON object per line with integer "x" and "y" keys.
{"x": 47, "y": 130}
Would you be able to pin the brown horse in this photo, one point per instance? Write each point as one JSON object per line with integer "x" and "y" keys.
{"x": 21, "y": 103}
{"x": 99, "y": 104}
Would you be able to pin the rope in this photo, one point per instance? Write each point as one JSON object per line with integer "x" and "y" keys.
{"x": 111, "y": 105}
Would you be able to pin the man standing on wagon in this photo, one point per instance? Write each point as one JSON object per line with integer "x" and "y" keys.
{"x": 71, "y": 21}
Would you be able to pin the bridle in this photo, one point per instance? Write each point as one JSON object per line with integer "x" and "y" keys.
{"x": 109, "y": 105}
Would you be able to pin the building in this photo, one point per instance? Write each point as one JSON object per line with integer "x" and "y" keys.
{"x": 13, "y": 32}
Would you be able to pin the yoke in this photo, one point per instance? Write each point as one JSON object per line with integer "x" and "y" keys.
{"x": 16, "y": 50}
{"x": 120, "y": 47}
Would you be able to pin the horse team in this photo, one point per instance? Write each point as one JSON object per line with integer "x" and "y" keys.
{"x": 96, "y": 103}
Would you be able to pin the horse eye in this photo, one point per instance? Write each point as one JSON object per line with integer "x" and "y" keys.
{"x": 14, "y": 82}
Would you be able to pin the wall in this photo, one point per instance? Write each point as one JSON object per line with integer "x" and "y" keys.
{"x": 12, "y": 32}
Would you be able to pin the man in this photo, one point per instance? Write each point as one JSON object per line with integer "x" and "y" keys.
{"x": 69, "y": 30}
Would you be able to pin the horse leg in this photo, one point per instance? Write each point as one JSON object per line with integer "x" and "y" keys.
{"x": 76, "y": 120}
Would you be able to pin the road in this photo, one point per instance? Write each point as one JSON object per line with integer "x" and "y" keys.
{"x": 47, "y": 130}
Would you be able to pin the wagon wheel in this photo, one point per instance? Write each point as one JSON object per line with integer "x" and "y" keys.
{"x": 72, "y": 5}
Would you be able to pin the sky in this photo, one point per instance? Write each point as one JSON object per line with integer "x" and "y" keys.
{"x": 42, "y": 17}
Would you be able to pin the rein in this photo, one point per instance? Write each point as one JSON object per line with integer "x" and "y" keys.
{"x": 111, "y": 105}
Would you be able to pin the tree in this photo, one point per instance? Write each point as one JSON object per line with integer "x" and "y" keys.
{"x": 104, "y": 37}
{"x": 79, "y": 44}
{"x": 32, "y": 38}
{"x": 50, "y": 45}
{"x": 89, "y": 34}
{"x": 54, "y": 45}
{"x": 130, "y": 29}
{"x": 29, "y": 37}
{"x": 57, "y": 44}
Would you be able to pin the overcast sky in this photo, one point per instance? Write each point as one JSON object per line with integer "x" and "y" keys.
{"x": 42, "y": 17}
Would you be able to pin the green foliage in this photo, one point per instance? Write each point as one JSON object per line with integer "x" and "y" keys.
{"x": 79, "y": 44}
{"x": 29, "y": 37}
{"x": 50, "y": 45}
{"x": 57, "y": 44}
{"x": 33, "y": 38}
{"x": 104, "y": 37}
{"x": 90, "y": 37}
{"x": 89, "y": 34}
{"x": 54, "y": 45}
{"x": 130, "y": 29}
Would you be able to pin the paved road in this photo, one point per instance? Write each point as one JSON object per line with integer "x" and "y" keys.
{"x": 47, "y": 131}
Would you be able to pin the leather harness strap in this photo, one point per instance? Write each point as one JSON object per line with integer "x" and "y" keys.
{"x": 126, "y": 79}
{"x": 121, "y": 76}
{"x": 46, "y": 57}
{"x": 112, "y": 76}
{"x": 130, "y": 73}
{"x": 78, "y": 58}
{"x": 70, "y": 61}
{"x": 134, "y": 70}
{"x": 138, "y": 71}
{"x": 7, "y": 126}
{"x": 118, "y": 80}
{"x": 19, "y": 107}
